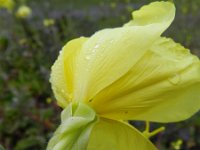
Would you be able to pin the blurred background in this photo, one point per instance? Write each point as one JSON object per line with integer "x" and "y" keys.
{"x": 31, "y": 35}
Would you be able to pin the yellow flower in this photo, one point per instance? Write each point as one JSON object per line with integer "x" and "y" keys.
{"x": 23, "y": 12}
{"x": 8, "y": 4}
{"x": 124, "y": 73}
{"x": 48, "y": 22}
{"x": 177, "y": 144}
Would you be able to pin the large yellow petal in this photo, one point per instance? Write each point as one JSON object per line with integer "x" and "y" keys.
{"x": 62, "y": 72}
{"x": 114, "y": 135}
{"x": 163, "y": 86}
{"x": 110, "y": 53}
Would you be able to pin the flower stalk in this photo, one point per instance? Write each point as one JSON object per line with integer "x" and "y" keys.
{"x": 148, "y": 134}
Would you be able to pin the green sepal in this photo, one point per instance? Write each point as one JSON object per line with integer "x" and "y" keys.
{"x": 77, "y": 121}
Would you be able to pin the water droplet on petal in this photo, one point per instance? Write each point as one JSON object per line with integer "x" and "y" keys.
{"x": 175, "y": 79}
{"x": 87, "y": 57}
{"x": 96, "y": 46}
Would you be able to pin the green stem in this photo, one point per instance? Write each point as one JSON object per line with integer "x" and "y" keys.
{"x": 149, "y": 134}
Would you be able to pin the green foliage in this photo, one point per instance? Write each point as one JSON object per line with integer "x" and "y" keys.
{"x": 1, "y": 147}
{"x": 28, "y": 111}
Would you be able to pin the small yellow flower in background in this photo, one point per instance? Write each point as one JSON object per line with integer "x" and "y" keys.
{"x": 177, "y": 144}
{"x": 48, "y": 22}
{"x": 125, "y": 73}
{"x": 23, "y": 12}
{"x": 23, "y": 41}
{"x": 113, "y": 5}
{"x": 8, "y": 4}
{"x": 49, "y": 100}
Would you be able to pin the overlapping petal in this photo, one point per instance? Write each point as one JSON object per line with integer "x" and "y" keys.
{"x": 88, "y": 66}
{"x": 62, "y": 75}
{"x": 162, "y": 86}
{"x": 115, "y": 135}
{"x": 110, "y": 53}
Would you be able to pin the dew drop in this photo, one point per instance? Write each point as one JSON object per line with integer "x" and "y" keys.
{"x": 175, "y": 79}
{"x": 96, "y": 46}
{"x": 87, "y": 57}
{"x": 63, "y": 92}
